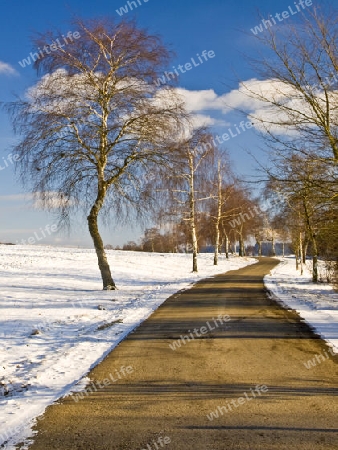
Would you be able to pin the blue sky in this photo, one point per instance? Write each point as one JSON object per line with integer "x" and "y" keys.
{"x": 188, "y": 27}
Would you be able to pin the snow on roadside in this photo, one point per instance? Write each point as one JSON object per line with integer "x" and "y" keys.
{"x": 56, "y": 323}
{"x": 317, "y": 304}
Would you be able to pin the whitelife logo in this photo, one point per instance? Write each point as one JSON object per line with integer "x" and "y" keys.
{"x": 318, "y": 359}
{"x": 206, "y": 55}
{"x": 48, "y": 49}
{"x": 300, "y": 6}
{"x": 160, "y": 443}
{"x": 257, "y": 392}
{"x": 197, "y": 333}
{"x": 129, "y": 7}
{"x": 39, "y": 235}
{"x": 9, "y": 160}
{"x": 95, "y": 386}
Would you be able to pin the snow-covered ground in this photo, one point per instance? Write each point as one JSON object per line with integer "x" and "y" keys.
{"x": 317, "y": 304}
{"x": 56, "y": 323}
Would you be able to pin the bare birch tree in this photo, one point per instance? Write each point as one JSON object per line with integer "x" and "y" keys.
{"x": 296, "y": 177}
{"x": 222, "y": 188}
{"x": 219, "y": 210}
{"x": 96, "y": 123}
{"x": 296, "y": 108}
{"x": 300, "y": 98}
{"x": 188, "y": 186}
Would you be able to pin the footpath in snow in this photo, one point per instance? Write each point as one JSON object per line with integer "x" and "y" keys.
{"x": 56, "y": 323}
{"x": 317, "y": 304}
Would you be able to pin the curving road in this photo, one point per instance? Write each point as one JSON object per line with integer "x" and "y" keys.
{"x": 218, "y": 367}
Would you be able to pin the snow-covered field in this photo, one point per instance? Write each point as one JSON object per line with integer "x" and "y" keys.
{"x": 56, "y": 323}
{"x": 316, "y": 304}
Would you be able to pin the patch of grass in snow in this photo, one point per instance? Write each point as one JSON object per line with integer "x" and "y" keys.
{"x": 108, "y": 325}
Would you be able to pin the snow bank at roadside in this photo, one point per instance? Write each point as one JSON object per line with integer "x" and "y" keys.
{"x": 316, "y": 303}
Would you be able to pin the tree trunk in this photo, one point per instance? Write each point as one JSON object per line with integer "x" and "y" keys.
{"x": 108, "y": 282}
{"x": 194, "y": 248}
{"x": 301, "y": 253}
{"x": 314, "y": 260}
{"x": 273, "y": 246}
{"x": 192, "y": 206}
{"x": 315, "y": 269}
{"x": 216, "y": 250}
{"x": 241, "y": 246}
{"x": 306, "y": 244}
{"x": 219, "y": 212}
{"x": 313, "y": 242}
{"x": 226, "y": 246}
{"x": 259, "y": 243}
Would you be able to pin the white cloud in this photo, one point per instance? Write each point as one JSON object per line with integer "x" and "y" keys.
{"x": 197, "y": 102}
{"x": 282, "y": 108}
{"x": 20, "y": 231}
{"x": 202, "y": 120}
{"x": 239, "y": 98}
{"x": 246, "y": 98}
{"x": 7, "y": 69}
{"x": 39, "y": 200}
{"x": 15, "y": 197}
{"x": 236, "y": 99}
{"x": 50, "y": 200}
{"x": 200, "y": 100}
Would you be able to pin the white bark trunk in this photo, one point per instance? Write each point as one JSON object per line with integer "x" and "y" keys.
{"x": 192, "y": 206}
{"x": 219, "y": 212}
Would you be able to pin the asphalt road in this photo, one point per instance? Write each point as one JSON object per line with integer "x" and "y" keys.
{"x": 238, "y": 382}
